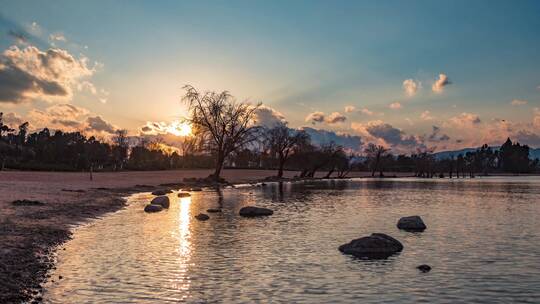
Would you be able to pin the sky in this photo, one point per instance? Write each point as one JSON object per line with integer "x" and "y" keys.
{"x": 405, "y": 74}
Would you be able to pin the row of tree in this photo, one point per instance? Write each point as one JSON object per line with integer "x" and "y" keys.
{"x": 225, "y": 134}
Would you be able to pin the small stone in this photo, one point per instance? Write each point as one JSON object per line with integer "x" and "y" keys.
{"x": 411, "y": 224}
{"x": 183, "y": 194}
{"x": 424, "y": 268}
{"x": 153, "y": 208}
{"x": 252, "y": 211}
{"x": 213, "y": 210}
{"x": 161, "y": 192}
{"x": 163, "y": 201}
{"x": 375, "y": 246}
{"x": 202, "y": 217}
{"x": 196, "y": 189}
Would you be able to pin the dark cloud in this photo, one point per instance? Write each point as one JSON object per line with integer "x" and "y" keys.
{"x": 320, "y": 137}
{"x": 98, "y": 124}
{"x": 395, "y": 137}
{"x": 435, "y": 135}
{"x": 20, "y": 37}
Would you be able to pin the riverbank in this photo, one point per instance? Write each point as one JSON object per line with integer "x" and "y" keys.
{"x": 30, "y": 232}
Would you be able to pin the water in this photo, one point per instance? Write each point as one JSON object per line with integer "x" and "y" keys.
{"x": 482, "y": 241}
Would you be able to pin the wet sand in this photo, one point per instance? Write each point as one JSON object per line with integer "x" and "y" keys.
{"x": 29, "y": 234}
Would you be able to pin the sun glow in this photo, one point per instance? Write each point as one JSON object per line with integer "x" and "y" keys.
{"x": 179, "y": 128}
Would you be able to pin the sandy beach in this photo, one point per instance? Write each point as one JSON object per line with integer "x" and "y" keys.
{"x": 30, "y": 233}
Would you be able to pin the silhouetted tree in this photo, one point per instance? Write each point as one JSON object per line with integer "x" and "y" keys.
{"x": 224, "y": 125}
{"x": 280, "y": 141}
{"x": 375, "y": 155}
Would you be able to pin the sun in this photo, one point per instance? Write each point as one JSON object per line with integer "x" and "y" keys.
{"x": 179, "y": 128}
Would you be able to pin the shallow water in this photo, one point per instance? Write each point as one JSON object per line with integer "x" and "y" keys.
{"x": 482, "y": 241}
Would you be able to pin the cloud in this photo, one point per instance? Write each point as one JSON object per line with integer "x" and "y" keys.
{"x": 366, "y": 112}
{"x": 443, "y": 81}
{"x": 315, "y": 117}
{"x": 335, "y": 117}
{"x": 268, "y": 117}
{"x": 435, "y": 135}
{"x": 320, "y": 137}
{"x": 57, "y": 37}
{"x": 518, "y": 102}
{"x": 350, "y": 109}
{"x": 67, "y": 117}
{"x": 426, "y": 115}
{"x": 12, "y": 119}
{"x": 29, "y": 73}
{"x": 382, "y": 133}
{"x": 465, "y": 119}
{"x": 395, "y": 105}
{"x": 99, "y": 125}
{"x": 410, "y": 86}
{"x": 19, "y": 37}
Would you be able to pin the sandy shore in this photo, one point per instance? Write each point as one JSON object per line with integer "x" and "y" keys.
{"x": 29, "y": 234}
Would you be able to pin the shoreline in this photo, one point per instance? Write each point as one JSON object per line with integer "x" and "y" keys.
{"x": 31, "y": 234}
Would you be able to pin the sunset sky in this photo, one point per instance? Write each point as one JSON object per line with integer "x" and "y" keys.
{"x": 406, "y": 74}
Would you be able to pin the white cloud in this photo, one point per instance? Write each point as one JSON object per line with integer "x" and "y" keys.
{"x": 426, "y": 115}
{"x": 315, "y": 117}
{"x": 440, "y": 83}
{"x": 268, "y": 117}
{"x": 366, "y": 112}
{"x": 350, "y": 109}
{"x": 518, "y": 102}
{"x": 29, "y": 73}
{"x": 57, "y": 37}
{"x": 395, "y": 105}
{"x": 465, "y": 119}
{"x": 410, "y": 86}
{"x": 335, "y": 117}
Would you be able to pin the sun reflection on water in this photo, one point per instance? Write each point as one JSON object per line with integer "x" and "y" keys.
{"x": 183, "y": 235}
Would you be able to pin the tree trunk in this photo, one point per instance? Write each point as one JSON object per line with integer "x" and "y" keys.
{"x": 219, "y": 165}
{"x": 280, "y": 170}
{"x": 329, "y": 173}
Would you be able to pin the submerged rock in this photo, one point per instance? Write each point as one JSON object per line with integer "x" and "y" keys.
{"x": 375, "y": 246}
{"x": 213, "y": 210}
{"x": 162, "y": 192}
{"x": 196, "y": 189}
{"x": 26, "y": 202}
{"x": 163, "y": 201}
{"x": 202, "y": 217}
{"x": 252, "y": 211}
{"x": 424, "y": 268}
{"x": 153, "y": 208}
{"x": 183, "y": 194}
{"x": 411, "y": 223}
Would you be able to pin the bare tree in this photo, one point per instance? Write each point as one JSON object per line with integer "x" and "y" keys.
{"x": 220, "y": 122}
{"x": 281, "y": 141}
{"x": 375, "y": 155}
{"x": 121, "y": 147}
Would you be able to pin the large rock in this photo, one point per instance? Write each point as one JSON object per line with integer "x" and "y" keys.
{"x": 411, "y": 223}
{"x": 252, "y": 211}
{"x": 375, "y": 246}
{"x": 163, "y": 201}
{"x": 153, "y": 208}
{"x": 162, "y": 192}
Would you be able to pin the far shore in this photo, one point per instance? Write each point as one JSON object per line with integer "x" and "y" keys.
{"x": 30, "y": 234}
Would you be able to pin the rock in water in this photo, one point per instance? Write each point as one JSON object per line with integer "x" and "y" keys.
{"x": 183, "y": 194}
{"x": 26, "y": 202}
{"x": 375, "y": 246}
{"x": 424, "y": 268}
{"x": 252, "y": 211}
{"x": 161, "y": 192}
{"x": 213, "y": 210}
{"x": 153, "y": 208}
{"x": 163, "y": 201}
{"x": 411, "y": 223}
{"x": 202, "y": 217}
{"x": 195, "y": 189}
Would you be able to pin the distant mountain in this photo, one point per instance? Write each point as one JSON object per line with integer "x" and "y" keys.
{"x": 533, "y": 153}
